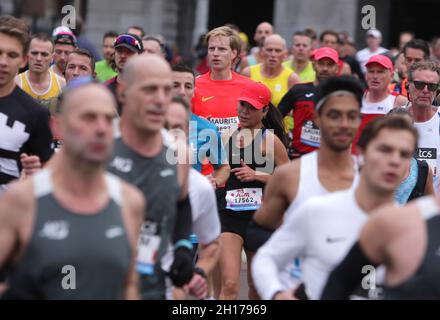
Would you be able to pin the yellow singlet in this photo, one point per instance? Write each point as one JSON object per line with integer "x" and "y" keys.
{"x": 47, "y": 97}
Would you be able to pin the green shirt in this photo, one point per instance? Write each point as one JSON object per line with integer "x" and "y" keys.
{"x": 104, "y": 71}
{"x": 307, "y": 75}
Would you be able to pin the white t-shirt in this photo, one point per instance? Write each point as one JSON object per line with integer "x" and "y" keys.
{"x": 206, "y": 223}
{"x": 428, "y": 147}
{"x": 205, "y": 217}
{"x": 321, "y": 232}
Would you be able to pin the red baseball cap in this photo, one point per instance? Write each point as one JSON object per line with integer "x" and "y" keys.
{"x": 255, "y": 93}
{"x": 326, "y": 52}
{"x": 382, "y": 60}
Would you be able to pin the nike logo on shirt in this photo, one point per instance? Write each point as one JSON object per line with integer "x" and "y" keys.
{"x": 204, "y": 99}
{"x": 167, "y": 172}
{"x": 334, "y": 239}
{"x": 308, "y": 95}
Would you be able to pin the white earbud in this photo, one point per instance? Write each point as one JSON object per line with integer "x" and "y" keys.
{"x": 361, "y": 160}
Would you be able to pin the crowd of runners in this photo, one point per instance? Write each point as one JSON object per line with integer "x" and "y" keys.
{"x": 140, "y": 177}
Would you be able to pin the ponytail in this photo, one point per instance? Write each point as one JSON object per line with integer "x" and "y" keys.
{"x": 273, "y": 120}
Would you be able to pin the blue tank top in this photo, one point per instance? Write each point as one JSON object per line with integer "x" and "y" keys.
{"x": 406, "y": 187}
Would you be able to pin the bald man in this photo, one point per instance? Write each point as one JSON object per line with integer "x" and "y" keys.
{"x": 263, "y": 30}
{"x": 144, "y": 155}
{"x": 76, "y": 232}
{"x": 272, "y": 72}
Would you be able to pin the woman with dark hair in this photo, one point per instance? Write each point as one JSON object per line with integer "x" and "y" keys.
{"x": 253, "y": 152}
{"x": 419, "y": 180}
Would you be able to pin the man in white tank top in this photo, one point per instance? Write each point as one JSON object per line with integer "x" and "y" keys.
{"x": 323, "y": 229}
{"x": 330, "y": 169}
{"x": 378, "y": 100}
{"x": 423, "y": 80}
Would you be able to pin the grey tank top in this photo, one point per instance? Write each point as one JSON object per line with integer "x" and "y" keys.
{"x": 70, "y": 255}
{"x": 157, "y": 179}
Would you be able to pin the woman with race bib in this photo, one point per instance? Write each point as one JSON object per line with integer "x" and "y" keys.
{"x": 253, "y": 152}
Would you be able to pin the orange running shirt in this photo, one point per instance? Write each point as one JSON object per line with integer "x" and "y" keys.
{"x": 216, "y": 100}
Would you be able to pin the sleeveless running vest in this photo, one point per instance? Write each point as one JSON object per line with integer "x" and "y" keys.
{"x": 156, "y": 177}
{"x": 371, "y": 111}
{"x": 278, "y": 86}
{"x": 428, "y": 147}
{"x": 46, "y": 98}
{"x": 92, "y": 249}
{"x": 425, "y": 282}
{"x": 305, "y": 76}
{"x": 246, "y": 196}
{"x": 308, "y": 186}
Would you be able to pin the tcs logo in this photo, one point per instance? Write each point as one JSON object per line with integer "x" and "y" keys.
{"x": 426, "y": 153}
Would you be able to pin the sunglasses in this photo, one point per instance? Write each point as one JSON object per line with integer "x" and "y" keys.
{"x": 420, "y": 85}
{"x": 128, "y": 39}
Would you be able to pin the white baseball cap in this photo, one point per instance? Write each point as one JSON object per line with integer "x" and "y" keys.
{"x": 374, "y": 33}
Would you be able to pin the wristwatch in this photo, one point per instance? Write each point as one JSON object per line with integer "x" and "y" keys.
{"x": 200, "y": 271}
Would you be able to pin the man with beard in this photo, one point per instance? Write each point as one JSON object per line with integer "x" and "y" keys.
{"x": 301, "y": 100}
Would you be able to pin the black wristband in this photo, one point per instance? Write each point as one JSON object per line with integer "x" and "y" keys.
{"x": 200, "y": 271}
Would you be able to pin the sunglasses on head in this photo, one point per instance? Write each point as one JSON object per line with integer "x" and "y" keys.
{"x": 128, "y": 39}
{"x": 420, "y": 85}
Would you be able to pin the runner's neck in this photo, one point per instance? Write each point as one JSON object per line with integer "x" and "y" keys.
{"x": 333, "y": 160}
{"x": 37, "y": 78}
{"x": 368, "y": 198}
{"x": 147, "y": 144}
{"x": 423, "y": 114}
{"x": 268, "y": 72}
{"x": 77, "y": 176}
{"x": 7, "y": 89}
{"x": 225, "y": 74}
{"x": 376, "y": 95}
{"x": 299, "y": 66}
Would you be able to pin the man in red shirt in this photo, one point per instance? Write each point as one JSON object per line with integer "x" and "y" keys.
{"x": 216, "y": 91}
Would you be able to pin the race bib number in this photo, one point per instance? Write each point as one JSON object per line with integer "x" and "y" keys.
{"x": 310, "y": 135}
{"x": 148, "y": 247}
{"x": 244, "y": 199}
{"x": 225, "y": 125}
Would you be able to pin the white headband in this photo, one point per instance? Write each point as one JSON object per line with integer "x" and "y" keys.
{"x": 335, "y": 93}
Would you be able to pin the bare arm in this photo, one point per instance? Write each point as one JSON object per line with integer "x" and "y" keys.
{"x": 183, "y": 168}
{"x": 8, "y": 232}
{"x": 246, "y": 72}
{"x": 293, "y": 79}
{"x": 400, "y": 101}
{"x": 221, "y": 175}
{"x": 278, "y": 194}
{"x": 15, "y": 227}
{"x": 278, "y": 153}
{"x": 429, "y": 187}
